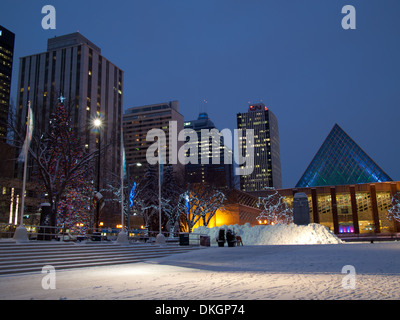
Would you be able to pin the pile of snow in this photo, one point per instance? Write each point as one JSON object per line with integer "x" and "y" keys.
{"x": 275, "y": 234}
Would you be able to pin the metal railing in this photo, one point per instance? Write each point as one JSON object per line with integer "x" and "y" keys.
{"x": 47, "y": 233}
{"x": 350, "y": 237}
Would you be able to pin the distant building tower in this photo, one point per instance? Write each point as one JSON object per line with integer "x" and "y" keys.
{"x": 267, "y": 159}
{"x": 73, "y": 67}
{"x": 92, "y": 87}
{"x": 219, "y": 175}
{"x": 6, "y": 61}
{"x": 137, "y": 122}
{"x": 340, "y": 161}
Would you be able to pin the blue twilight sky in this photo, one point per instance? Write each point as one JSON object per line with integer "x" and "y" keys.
{"x": 293, "y": 55}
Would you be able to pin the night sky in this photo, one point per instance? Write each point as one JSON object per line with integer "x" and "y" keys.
{"x": 292, "y": 55}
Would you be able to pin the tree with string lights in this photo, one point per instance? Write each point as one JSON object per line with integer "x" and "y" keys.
{"x": 274, "y": 209}
{"x": 63, "y": 168}
{"x": 394, "y": 211}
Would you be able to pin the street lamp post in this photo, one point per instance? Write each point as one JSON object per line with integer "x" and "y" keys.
{"x": 97, "y": 123}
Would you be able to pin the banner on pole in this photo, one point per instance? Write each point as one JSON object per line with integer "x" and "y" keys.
{"x": 28, "y": 137}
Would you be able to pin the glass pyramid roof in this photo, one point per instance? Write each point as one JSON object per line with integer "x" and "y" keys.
{"x": 341, "y": 161}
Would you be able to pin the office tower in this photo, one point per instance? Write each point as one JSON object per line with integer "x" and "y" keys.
{"x": 6, "y": 61}
{"x": 92, "y": 86}
{"x": 74, "y": 68}
{"x": 219, "y": 175}
{"x": 267, "y": 160}
{"x": 137, "y": 122}
{"x": 340, "y": 161}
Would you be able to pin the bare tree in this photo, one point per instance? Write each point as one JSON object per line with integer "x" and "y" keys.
{"x": 394, "y": 211}
{"x": 112, "y": 192}
{"x": 204, "y": 201}
{"x": 147, "y": 202}
{"x": 174, "y": 210}
{"x": 274, "y": 209}
{"x": 146, "y": 212}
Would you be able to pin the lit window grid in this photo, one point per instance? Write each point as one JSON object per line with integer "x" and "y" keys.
{"x": 341, "y": 161}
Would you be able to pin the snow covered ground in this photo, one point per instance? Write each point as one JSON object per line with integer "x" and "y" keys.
{"x": 248, "y": 272}
{"x": 275, "y": 234}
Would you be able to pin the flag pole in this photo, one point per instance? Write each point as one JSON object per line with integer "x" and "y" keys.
{"x": 122, "y": 181}
{"x": 123, "y": 235}
{"x": 160, "y": 237}
{"x": 21, "y": 234}
{"x": 159, "y": 183}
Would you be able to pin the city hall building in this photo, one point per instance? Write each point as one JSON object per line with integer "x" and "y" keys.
{"x": 358, "y": 208}
{"x": 347, "y": 209}
{"x": 347, "y": 191}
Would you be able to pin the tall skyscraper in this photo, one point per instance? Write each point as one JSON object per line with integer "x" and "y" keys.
{"x": 92, "y": 86}
{"x": 73, "y": 67}
{"x": 340, "y": 161}
{"x": 219, "y": 175}
{"x": 267, "y": 159}
{"x": 7, "y": 39}
{"x": 137, "y": 122}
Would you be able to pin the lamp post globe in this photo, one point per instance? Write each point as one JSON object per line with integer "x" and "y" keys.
{"x": 97, "y": 123}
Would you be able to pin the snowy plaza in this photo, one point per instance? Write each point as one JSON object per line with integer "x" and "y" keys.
{"x": 249, "y": 272}
{"x": 200, "y": 156}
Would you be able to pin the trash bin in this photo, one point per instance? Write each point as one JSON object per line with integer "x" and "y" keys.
{"x": 221, "y": 238}
{"x": 45, "y": 232}
{"x": 184, "y": 239}
{"x": 205, "y": 241}
{"x": 96, "y": 236}
{"x": 230, "y": 238}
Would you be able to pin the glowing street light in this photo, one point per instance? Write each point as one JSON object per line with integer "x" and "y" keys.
{"x": 97, "y": 123}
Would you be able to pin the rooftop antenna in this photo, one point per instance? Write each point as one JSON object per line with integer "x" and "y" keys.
{"x": 203, "y": 106}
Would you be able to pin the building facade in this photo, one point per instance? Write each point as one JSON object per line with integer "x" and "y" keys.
{"x": 358, "y": 208}
{"x": 137, "y": 122}
{"x": 91, "y": 86}
{"x": 345, "y": 210}
{"x": 7, "y": 39}
{"x": 216, "y": 171}
{"x": 239, "y": 208}
{"x": 267, "y": 160}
